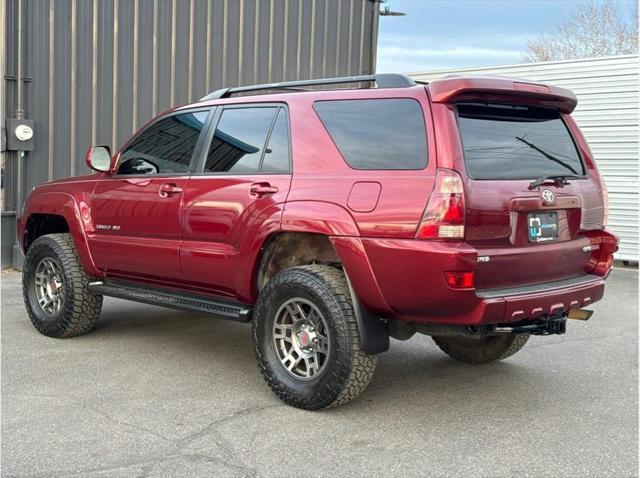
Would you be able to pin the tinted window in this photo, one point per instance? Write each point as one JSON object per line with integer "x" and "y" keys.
{"x": 516, "y": 142}
{"x": 164, "y": 147}
{"x": 276, "y": 156}
{"x": 238, "y": 141}
{"x": 377, "y": 134}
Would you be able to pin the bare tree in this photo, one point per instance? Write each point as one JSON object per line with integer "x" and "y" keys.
{"x": 596, "y": 29}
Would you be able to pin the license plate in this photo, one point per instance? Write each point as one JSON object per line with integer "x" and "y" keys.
{"x": 543, "y": 226}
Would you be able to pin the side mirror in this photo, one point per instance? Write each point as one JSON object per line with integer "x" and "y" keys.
{"x": 98, "y": 158}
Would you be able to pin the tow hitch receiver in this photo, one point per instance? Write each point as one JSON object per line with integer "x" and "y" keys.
{"x": 552, "y": 325}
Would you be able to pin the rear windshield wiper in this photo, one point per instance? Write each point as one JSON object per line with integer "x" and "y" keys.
{"x": 547, "y": 155}
{"x": 559, "y": 179}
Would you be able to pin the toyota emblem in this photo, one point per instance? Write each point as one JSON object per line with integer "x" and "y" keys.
{"x": 548, "y": 196}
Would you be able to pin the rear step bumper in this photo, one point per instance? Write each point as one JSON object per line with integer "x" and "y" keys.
{"x": 541, "y": 300}
{"x": 508, "y": 292}
{"x": 175, "y": 300}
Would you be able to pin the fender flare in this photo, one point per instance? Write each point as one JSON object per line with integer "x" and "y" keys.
{"x": 76, "y": 214}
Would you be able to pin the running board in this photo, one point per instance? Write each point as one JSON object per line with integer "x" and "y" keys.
{"x": 175, "y": 300}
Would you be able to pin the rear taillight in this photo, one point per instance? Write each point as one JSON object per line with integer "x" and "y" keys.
{"x": 444, "y": 216}
{"x": 602, "y": 246}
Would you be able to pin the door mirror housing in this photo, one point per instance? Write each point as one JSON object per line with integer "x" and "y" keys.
{"x": 98, "y": 158}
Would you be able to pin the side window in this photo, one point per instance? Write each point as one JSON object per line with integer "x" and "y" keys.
{"x": 376, "y": 134}
{"x": 276, "y": 155}
{"x": 165, "y": 147}
{"x": 238, "y": 142}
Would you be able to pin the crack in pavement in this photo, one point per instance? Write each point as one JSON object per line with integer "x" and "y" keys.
{"x": 179, "y": 451}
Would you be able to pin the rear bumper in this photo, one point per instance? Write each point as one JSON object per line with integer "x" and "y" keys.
{"x": 539, "y": 300}
{"x": 403, "y": 280}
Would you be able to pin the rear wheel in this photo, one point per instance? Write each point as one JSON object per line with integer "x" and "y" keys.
{"x": 485, "y": 350}
{"x": 55, "y": 288}
{"x": 307, "y": 340}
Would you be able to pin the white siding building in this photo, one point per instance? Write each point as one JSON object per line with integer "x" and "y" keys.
{"x": 607, "y": 113}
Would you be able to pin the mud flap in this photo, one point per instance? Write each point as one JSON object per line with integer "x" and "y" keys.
{"x": 374, "y": 334}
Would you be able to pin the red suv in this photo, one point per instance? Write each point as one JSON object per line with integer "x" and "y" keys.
{"x": 469, "y": 209}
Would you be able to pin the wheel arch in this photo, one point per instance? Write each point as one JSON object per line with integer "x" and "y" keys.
{"x": 289, "y": 249}
{"x": 54, "y": 212}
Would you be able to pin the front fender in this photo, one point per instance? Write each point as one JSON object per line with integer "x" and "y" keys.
{"x": 75, "y": 211}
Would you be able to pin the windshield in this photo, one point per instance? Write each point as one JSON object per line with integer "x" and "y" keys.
{"x": 516, "y": 142}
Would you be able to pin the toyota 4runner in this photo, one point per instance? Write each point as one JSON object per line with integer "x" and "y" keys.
{"x": 469, "y": 209}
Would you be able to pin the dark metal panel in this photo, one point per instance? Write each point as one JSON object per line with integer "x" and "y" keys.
{"x": 37, "y": 94}
{"x": 263, "y": 53}
{"x": 181, "y": 37}
{"x": 123, "y": 85}
{"x": 84, "y": 83}
{"x": 215, "y": 46}
{"x": 345, "y": 11}
{"x": 277, "y": 41}
{"x": 96, "y": 70}
{"x": 305, "y": 39}
{"x": 233, "y": 28}
{"x": 104, "y": 84}
{"x": 61, "y": 90}
{"x": 291, "y": 32}
{"x": 164, "y": 56}
{"x": 143, "y": 91}
{"x": 198, "y": 63}
{"x": 247, "y": 37}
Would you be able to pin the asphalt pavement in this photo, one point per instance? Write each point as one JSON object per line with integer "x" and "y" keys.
{"x": 156, "y": 392}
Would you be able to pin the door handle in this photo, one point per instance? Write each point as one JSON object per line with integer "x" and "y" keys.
{"x": 168, "y": 189}
{"x": 262, "y": 189}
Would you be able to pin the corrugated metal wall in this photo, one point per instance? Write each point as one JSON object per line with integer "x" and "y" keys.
{"x": 607, "y": 113}
{"x": 96, "y": 70}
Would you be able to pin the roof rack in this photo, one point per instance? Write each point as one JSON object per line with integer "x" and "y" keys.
{"x": 384, "y": 80}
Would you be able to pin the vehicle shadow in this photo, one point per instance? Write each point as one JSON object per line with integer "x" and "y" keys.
{"x": 415, "y": 371}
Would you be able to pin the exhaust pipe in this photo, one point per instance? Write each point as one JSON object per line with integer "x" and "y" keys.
{"x": 579, "y": 314}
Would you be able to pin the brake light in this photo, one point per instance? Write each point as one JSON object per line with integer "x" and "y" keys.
{"x": 459, "y": 279}
{"x": 443, "y": 217}
{"x": 602, "y": 246}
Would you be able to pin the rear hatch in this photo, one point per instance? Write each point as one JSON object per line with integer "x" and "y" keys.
{"x": 526, "y": 229}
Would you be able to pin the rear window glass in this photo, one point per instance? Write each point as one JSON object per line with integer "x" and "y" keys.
{"x": 516, "y": 142}
{"x": 377, "y": 134}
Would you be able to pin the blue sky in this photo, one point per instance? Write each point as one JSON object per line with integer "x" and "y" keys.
{"x": 441, "y": 34}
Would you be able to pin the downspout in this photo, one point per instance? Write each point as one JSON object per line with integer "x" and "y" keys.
{"x": 19, "y": 113}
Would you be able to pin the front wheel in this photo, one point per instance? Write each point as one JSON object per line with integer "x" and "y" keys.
{"x": 55, "y": 288}
{"x": 307, "y": 341}
{"x": 484, "y": 350}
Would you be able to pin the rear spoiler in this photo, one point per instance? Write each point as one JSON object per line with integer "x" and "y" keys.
{"x": 501, "y": 89}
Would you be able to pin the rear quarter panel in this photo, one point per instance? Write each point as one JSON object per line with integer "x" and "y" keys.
{"x": 321, "y": 174}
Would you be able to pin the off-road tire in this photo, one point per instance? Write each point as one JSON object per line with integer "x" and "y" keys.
{"x": 348, "y": 369}
{"x": 485, "y": 350}
{"x": 80, "y": 309}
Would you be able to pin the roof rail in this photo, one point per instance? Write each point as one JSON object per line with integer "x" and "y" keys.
{"x": 384, "y": 80}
